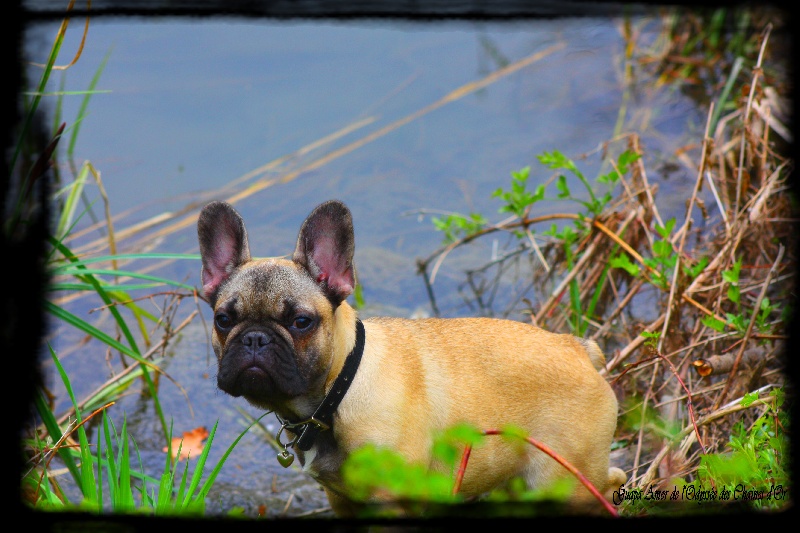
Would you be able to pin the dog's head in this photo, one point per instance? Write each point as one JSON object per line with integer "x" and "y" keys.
{"x": 274, "y": 319}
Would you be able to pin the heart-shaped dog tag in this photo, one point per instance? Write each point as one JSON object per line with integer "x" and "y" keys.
{"x": 285, "y": 459}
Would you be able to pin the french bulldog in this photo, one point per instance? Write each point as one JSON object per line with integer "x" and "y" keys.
{"x": 287, "y": 340}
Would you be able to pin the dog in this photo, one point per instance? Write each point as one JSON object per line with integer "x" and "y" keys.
{"x": 287, "y": 340}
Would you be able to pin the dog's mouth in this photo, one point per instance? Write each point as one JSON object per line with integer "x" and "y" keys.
{"x": 252, "y": 379}
{"x": 254, "y": 382}
{"x": 264, "y": 373}
{"x": 256, "y": 371}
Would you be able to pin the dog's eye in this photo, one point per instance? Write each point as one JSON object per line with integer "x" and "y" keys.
{"x": 223, "y": 321}
{"x": 302, "y": 322}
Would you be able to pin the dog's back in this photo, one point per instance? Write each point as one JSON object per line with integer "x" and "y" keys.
{"x": 435, "y": 373}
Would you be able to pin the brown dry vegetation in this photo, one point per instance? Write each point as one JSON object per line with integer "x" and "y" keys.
{"x": 680, "y": 392}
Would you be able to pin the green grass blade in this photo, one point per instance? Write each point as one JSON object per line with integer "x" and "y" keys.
{"x": 99, "y": 454}
{"x": 181, "y": 494}
{"x": 85, "y": 103}
{"x": 89, "y": 329}
{"x": 198, "y": 469}
{"x": 71, "y": 204}
{"x": 146, "y": 502}
{"x": 111, "y": 461}
{"x": 87, "y": 479}
{"x": 79, "y": 287}
{"x": 726, "y": 91}
{"x": 30, "y": 112}
{"x": 80, "y": 271}
{"x": 213, "y": 476}
{"x": 75, "y": 262}
{"x": 598, "y": 289}
{"x": 124, "y": 500}
{"x": 54, "y": 430}
{"x": 103, "y": 295}
{"x": 166, "y": 486}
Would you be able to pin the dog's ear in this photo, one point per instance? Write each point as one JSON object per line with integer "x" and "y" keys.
{"x": 223, "y": 245}
{"x": 325, "y": 248}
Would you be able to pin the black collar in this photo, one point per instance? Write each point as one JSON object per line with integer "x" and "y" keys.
{"x": 322, "y": 418}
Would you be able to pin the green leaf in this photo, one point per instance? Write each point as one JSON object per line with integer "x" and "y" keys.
{"x": 514, "y": 432}
{"x": 456, "y": 225}
{"x": 358, "y": 296}
{"x": 695, "y": 270}
{"x": 556, "y": 160}
{"x": 563, "y": 188}
{"x": 538, "y": 194}
{"x": 609, "y": 178}
{"x": 779, "y": 396}
{"x": 662, "y": 249}
{"x": 625, "y": 159}
{"x": 734, "y": 293}
{"x": 463, "y": 434}
{"x": 749, "y": 398}
{"x": 732, "y": 275}
{"x": 713, "y": 323}
{"x": 737, "y": 321}
{"x": 522, "y": 175}
{"x": 666, "y": 230}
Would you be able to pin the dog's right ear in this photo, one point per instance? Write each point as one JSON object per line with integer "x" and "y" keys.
{"x": 223, "y": 245}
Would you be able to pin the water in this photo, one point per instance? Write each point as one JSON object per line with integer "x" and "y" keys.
{"x": 190, "y": 110}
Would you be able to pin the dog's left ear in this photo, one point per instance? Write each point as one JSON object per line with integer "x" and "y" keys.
{"x": 325, "y": 248}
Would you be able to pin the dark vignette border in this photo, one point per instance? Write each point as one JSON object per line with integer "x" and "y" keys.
{"x": 22, "y": 322}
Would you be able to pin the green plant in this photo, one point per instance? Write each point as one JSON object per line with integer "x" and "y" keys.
{"x": 661, "y": 264}
{"x": 740, "y": 320}
{"x": 755, "y": 467}
{"x": 104, "y": 476}
{"x": 380, "y": 472}
{"x": 640, "y": 416}
{"x": 113, "y": 295}
{"x": 101, "y": 472}
{"x": 518, "y": 201}
{"x": 752, "y": 470}
{"x": 373, "y": 470}
{"x": 455, "y": 226}
{"x": 579, "y": 314}
{"x": 672, "y": 277}
{"x": 594, "y": 206}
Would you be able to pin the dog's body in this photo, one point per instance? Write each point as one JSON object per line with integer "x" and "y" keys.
{"x": 282, "y": 332}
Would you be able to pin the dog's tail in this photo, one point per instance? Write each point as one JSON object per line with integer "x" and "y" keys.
{"x": 616, "y": 479}
{"x": 595, "y": 353}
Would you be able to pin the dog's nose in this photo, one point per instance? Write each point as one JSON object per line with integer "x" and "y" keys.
{"x": 255, "y": 339}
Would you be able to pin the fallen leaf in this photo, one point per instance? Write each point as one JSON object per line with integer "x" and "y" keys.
{"x": 192, "y": 444}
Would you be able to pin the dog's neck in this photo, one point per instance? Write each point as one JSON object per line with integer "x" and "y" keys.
{"x": 306, "y": 431}
{"x": 344, "y": 339}
{"x": 343, "y": 342}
